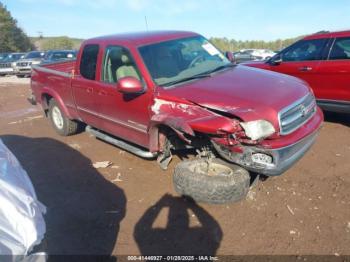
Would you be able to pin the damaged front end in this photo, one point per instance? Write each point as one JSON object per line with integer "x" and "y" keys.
{"x": 221, "y": 131}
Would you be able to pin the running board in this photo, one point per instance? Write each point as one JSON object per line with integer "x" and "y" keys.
{"x": 119, "y": 143}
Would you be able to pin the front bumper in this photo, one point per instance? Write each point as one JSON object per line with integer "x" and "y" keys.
{"x": 282, "y": 158}
{"x": 23, "y": 70}
{"x": 6, "y": 71}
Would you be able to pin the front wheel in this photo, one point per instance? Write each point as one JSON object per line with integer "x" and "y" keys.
{"x": 213, "y": 181}
{"x": 62, "y": 125}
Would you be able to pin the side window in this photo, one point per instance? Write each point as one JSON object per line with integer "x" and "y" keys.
{"x": 88, "y": 61}
{"x": 305, "y": 50}
{"x": 118, "y": 63}
{"x": 340, "y": 49}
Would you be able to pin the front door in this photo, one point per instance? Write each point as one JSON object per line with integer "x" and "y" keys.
{"x": 124, "y": 115}
{"x": 302, "y": 60}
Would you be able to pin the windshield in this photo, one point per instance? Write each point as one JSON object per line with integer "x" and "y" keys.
{"x": 172, "y": 61}
{"x": 61, "y": 55}
{"x": 3, "y": 56}
{"x": 13, "y": 57}
{"x": 34, "y": 55}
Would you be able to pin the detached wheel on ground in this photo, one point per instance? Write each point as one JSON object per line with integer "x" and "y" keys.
{"x": 63, "y": 125}
{"x": 214, "y": 181}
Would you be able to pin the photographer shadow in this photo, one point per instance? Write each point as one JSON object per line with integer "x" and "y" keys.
{"x": 178, "y": 238}
{"x": 84, "y": 209}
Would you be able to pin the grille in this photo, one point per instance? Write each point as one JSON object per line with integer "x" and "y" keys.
{"x": 5, "y": 65}
{"x": 22, "y": 64}
{"x": 295, "y": 115}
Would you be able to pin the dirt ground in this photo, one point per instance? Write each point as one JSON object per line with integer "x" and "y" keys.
{"x": 131, "y": 207}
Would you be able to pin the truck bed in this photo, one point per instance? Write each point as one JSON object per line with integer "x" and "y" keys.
{"x": 64, "y": 67}
{"x": 54, "y": 80}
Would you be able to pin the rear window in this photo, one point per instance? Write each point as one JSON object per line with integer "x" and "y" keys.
{"x": 89, "y": 61}
{"x": 340, "y": 49}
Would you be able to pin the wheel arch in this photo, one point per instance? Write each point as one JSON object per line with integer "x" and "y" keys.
{"x": 46, "y": 95}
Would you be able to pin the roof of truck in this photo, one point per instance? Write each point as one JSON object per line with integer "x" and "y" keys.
{"x": 143, "y": 38}
{"x": 327, "y": 34}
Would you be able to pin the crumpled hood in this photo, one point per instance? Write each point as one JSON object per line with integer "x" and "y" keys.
{"x": 245, "y": 92}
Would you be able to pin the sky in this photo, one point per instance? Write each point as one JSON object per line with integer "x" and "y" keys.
{"x": 238, "y": 19}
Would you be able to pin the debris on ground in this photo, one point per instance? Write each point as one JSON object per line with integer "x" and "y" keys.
{"x": 75, "y": 146}
{"x": 117, "y": 179}
{"x": 290, "y": 210}
{"x": 102, "y": 164}
{"x": 251, "y": 195}
{"x": 115, "y": 167}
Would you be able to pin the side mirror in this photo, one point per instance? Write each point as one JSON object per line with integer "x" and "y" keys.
{"x": 130, "y": 85}
{"x": 275, "y": 60}
{"x": 230, "y": 57}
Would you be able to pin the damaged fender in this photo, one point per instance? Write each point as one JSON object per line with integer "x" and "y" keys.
{"x": 177, "y": 124}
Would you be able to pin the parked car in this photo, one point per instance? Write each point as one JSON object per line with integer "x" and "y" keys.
{"x": 59, "y": 55}
{"x": 253, "y": 55}
{"x": 24, "y": 66}
{"x": 244, "y": 56}
{"x": 3, "y": 56}
{"x": 140, "y": 92}
{"x": 323, "y": 61}
{"x": 7, "y": 64}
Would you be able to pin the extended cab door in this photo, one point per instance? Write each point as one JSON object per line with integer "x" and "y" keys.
{"x": 85, "y": 88}
{"x": 335, "y": 74}
{"x": 124, "y": 115}
{"x": 301, "y": 60}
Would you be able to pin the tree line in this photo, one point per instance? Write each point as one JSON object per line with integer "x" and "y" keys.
{"x": 12, "y": 38}
{"x": 225, "y": 44}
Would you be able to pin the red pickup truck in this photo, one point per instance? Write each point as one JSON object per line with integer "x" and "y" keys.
{"x": 323, "y": 61}
{"x": 155, "y": 93}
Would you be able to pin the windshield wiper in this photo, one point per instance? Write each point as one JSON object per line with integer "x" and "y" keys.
{"x": 202, "y": 75}
{"x": 220, "y": 68}
{"x": 187, "y": 79}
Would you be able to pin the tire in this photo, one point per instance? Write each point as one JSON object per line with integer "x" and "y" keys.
{"x": 20, "y": 76}
{"x": 62, "y": 125}
{"x": 222, "y": 184}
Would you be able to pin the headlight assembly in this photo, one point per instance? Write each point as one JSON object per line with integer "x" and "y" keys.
{"x": 258, "y": 129}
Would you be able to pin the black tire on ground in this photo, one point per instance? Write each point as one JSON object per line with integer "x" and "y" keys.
{"x": 63, "y": 126}
{"x": 20, "y": 76}
{"x": 223, "y": 182}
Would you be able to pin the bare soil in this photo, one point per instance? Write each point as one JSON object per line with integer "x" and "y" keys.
{"x": 131, "y": 208}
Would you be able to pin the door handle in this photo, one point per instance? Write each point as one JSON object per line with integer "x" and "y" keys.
{"x": 305, "y": 68}
{"x": 102, "y": 93}
{"x": 89, "y": 89}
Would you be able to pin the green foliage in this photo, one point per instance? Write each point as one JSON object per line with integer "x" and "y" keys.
{"x": 61, "y": 42}
{"x": 232, "y": 45}
{"x": 12, "y": 38}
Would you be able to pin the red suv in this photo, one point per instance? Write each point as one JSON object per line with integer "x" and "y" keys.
{"x": 323, "y": 61}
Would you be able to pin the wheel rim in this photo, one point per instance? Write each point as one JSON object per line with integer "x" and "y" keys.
{"x": 211, "y": 169}
{"x": 57, "y": 117}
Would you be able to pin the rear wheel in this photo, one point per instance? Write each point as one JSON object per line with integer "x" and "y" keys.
{"x": 213, "y": 181}
{"x": 63, "y": 125}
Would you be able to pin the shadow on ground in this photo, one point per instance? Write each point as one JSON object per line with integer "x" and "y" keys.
{"x": 338, "y": 118}
{"x": 84, "y": 210}
{"x": 178, "y": 237}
